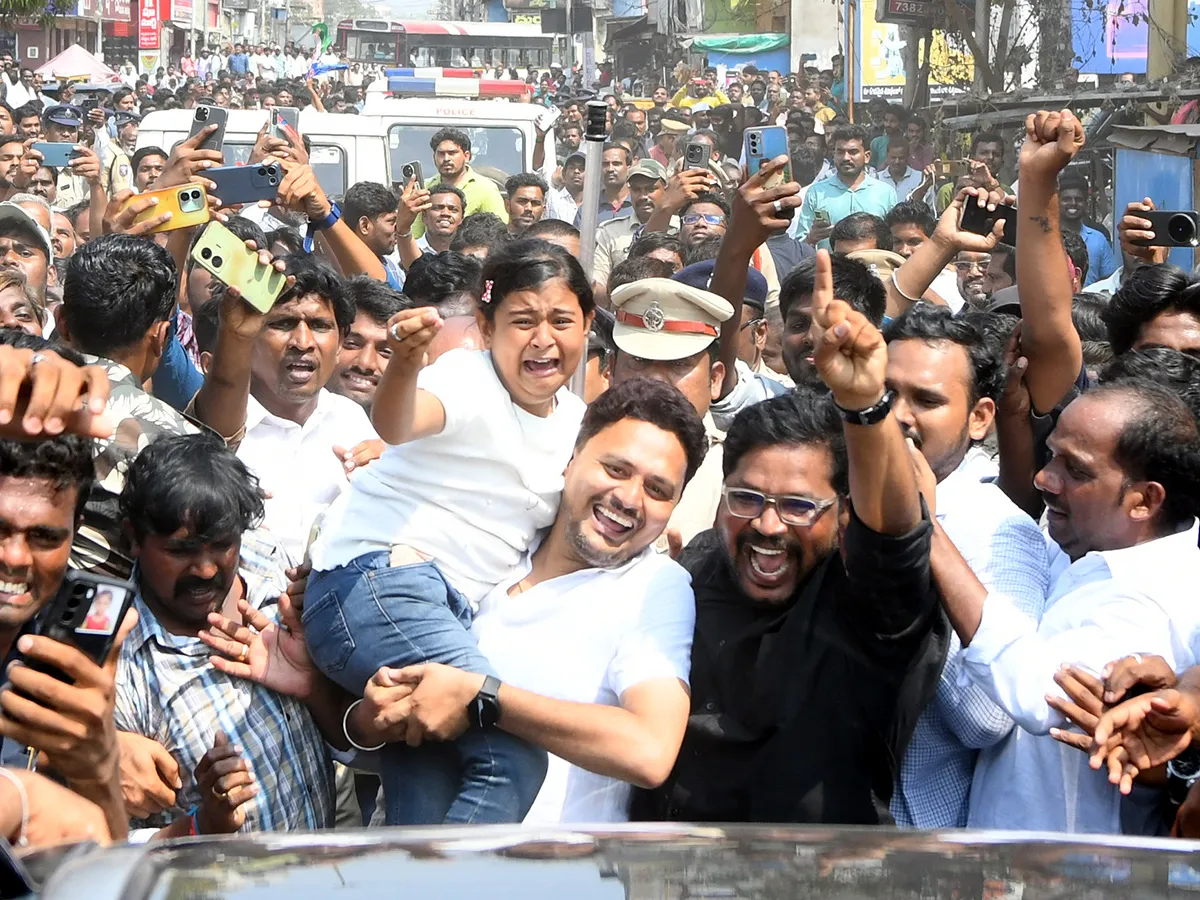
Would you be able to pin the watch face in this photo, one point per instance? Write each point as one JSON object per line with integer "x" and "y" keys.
{"x": 1186, "y": 766}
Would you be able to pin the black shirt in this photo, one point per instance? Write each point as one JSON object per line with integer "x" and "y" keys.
{"x": 802, "y": 713}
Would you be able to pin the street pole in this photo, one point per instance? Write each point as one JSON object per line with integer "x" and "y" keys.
{"x": 570, "y": 42}
{"x": 595, "y": 134}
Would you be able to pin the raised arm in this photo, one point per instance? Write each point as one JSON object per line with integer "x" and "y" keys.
{"x": 685, "y": 185}
{"x": 755, "y": 216}
{"x": 403, "y": 412}
{"x": 1048, "y": 337}
{"x": 414, "y": 201}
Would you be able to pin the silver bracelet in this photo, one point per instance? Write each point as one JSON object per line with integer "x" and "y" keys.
{"x": 22, "y": 837}
{"x": 896, "y": 285}
{"x": 346, "y": 731}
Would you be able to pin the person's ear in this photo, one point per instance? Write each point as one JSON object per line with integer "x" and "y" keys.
{"x": 716, "y": 379}
{"x": 981, "y": 418}
{"x": 760, "y": 334}
{"x": 1144, "y": 500}
{"x": 60, "y": 325}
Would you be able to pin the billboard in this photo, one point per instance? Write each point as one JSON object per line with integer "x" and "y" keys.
{"x": 148, "y": 25}
{"x": 1111, "y": 37}
{"x": 881, "y": 64}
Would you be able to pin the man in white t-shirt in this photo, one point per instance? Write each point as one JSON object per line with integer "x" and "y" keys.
{"x": 591, "y": 633}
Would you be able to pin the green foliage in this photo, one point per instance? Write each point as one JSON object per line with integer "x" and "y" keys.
{"x": 39, "y": 11}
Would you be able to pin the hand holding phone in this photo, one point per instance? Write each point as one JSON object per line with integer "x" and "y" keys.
{"x": 55, "y": 154}
{"x": 187, "y": 204}
{"x": 226, "y": 256}
{"x": 205, "y": 116}
{"x": 1171, "y": 228}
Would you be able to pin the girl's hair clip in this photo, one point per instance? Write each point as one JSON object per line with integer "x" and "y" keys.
{"x": 487, "y": 292}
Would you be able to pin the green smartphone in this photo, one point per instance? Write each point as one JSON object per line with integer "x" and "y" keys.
{"x": 227, "y": 257}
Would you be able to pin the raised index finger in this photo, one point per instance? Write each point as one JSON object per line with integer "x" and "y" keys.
{"x": 822, "y": 295}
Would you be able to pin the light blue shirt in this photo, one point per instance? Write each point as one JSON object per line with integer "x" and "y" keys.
{"x": 910, "y": 182}
{"x": 1101, "y": 261}
{"x": 1006, "y": 550}
{"x": 832, "y": 195}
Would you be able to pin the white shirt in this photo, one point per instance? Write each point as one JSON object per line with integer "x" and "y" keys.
{"x": 1103, "y": 606}
{"x": 945, "y": 285}
{"x": 588, "y": 637}
{"x": 296, "y": 464}
{"x": 561, "y": 205}
{"x": 472, "y": 497}
{"x": 298, "y": 66}
{"x": 17, "y": 94}
{"x": 905, "y": 186}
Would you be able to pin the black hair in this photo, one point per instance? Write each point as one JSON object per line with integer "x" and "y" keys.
{"x": 147, "y": 151}
{"x": 929, "y": 323}
{"x": 912, "y": 212}
{"x": 375, "y": 298}
{"x": 851, "y": 133}
{"x": 65, "y": 461}
{"x": 1175, "y": 370}
{"x": 316, "y": 277}
{"x": 1148, "y": 292}
{"x": 803, "y": 417}
{"x": 853, "y": 282}
{"x": 525, "y": 179}
{"x": 919, "y": 119}
{"x": 286, "y": 236}
{"x": 436, "y": 277}
{"x": 612, "y": 145}
{"x": 117, "y": 287}
{"x": 190, "y": 481}
{"x": 366, "y": 199}
{"x": 653, "y": 401}
{"x": 708, "y": 248}
{"x": 804, "y": 163}
{"x": 624, "y": 131}
{"x": 525, "y": 265}
{"x": 480, "y": 230}
{"x": 547, "y": 228}
{"x": 442, "y": 187}
{"x": 1077, "y": 252}
{"x": 987, "y": 137}
{"x": 715, "y": 199}
{"x": 1073, "y": 179}
{"x": 649, "y": 241}
{"x": 30, "y": 109}
{"x": 206, "y": 324}
{"x": 636, "y": 268}
{"x": 1009, "y": 266}
{"x": 860, "y": 226}
{"x": 1159, "y": 442}
{"x": 600, "y": 337}
{"x": 456, "y": 135}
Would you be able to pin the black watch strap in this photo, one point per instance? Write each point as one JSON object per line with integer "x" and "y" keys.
{"x": 484, "y": 710}
{"x": 872, "y": 415}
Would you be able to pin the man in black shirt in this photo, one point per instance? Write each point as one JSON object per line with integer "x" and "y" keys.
{"x": 819, "y": 637}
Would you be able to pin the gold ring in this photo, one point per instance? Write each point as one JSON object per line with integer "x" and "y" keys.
{"x": 217, "y": 794}
{"x": 245, "y": 654}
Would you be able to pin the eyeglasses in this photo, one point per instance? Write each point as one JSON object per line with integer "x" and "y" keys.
{"x": 711, "y": 219}
{"x": 965, "y": 265}
{"x": 751, "y": 324}
{"x": 747, "y": 504}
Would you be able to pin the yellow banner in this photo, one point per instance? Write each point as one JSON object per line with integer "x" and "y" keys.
{"x": 881, "y": 52}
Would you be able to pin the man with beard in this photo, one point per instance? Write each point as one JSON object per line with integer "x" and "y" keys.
{"x": 1072, "y": 206}
{"x": 853, "y": 190}
{"x": 364, "y": 352}
{"x": 370, "y": 211}
{"x": 249, "y": 760}
{"x": 526, "y": 201}
{"x": 615, "y": 160}
{"x": 815, "y": 603}
{"x": 646, "y": 181}
{"x": 452, "y": 157}
{"x": 947, "y": 383}
{"x": 265, "y": 394}
{"x": 11, "y": 151}
{"x": 62, "y": 235}
{"x": 972, "y": 268}
{"x": 591, "y": 632}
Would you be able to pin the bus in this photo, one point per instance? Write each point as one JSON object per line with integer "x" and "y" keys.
{"x": 475, "y": 45}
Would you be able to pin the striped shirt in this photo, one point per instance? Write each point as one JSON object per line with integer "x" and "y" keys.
{"x": 167, "y": 690}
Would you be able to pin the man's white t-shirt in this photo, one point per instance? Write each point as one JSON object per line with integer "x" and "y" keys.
{"x": 588, "y": 637}
{"x": 472, "y": 497}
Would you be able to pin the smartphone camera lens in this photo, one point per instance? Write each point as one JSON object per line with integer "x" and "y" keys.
{"x": 1181, "y": 229}
{"x": 217, "y": 261}
{"x": 202, "y": 113}
{"x": 272, "y": 180}
{"x": 262, "y": 170}
{"x": 205, "y": 253}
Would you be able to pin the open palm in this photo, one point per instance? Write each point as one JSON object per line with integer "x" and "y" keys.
{"x": 1141, "y": 733}
{"x": 262, "y": 651}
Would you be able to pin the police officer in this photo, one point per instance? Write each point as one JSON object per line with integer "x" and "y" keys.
{"x": 668, "y": 330}
{"x": 118, "y": 173}
{"x": 614, "y": 236}
{"x": 60, "y": 125}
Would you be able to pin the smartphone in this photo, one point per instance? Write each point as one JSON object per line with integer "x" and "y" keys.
{"x": 210, "y": 115}
{"x": 547, "y": 117}
{"x": 979, "y": 220}
{"x": 188, "y": 204}
{"x": 696, "y": 155}
{"x": 245, "y": 184}
{"x": 85, "y": 614}
{"x": 226, "y": 256}
{"x": 821, "y": 217}
{"x": 953, "y": 168}
{"x": 1171, "y": 227}
{"x": 56, "y": 155}
{"x": 409, "y": 171}
{"x": 762, "y": 144}
{"x": 281, "y": 115}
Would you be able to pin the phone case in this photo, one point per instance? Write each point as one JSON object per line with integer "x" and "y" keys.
{"x": 409, "y": 170}
{"x": 763, "y": 144}
{"x": 205, "y": 116}
{"x": 696, "y": 154}
{"x": 226, "y": 256}
{"x": 979, "y": 220}
{"x": 56, "y": 155}
{"x": 245, "y": 184}
{"x": 188, "y": 204}
{"x": 85, "y": 613}
{"x": 288, "y": 114}
{"x": 1172, "y": 228}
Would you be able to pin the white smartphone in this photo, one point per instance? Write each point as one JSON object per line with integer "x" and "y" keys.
{"x": 547, "y": 117}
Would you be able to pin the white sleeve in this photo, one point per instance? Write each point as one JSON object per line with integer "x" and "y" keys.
{"x": 659, "y": 644}
{"x": 1015, "y": 663}
{"x": 461, "y": 382}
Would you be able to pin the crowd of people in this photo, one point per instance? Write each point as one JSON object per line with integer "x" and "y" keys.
{"x": 860, "y": 516}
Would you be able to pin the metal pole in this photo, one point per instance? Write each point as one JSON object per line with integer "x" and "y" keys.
{"x": 595, "y": 134}
{"x": 570, "y": 43}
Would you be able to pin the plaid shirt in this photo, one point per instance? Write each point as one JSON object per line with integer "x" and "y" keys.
{"x": 167, "y": 690}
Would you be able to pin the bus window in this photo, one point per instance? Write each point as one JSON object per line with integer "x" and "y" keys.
{"x": 328, "y": 163}
{"x": 492, "y": 148}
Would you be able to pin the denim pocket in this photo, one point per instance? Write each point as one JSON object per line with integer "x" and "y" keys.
{"x": 327, "y": 634}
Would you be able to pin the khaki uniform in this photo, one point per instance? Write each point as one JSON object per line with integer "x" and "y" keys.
{"x": 117, "y": 172}
{"x": 71, "y": 189}
{"x": 697, "y": 508}
{"x": 613, "y": 239}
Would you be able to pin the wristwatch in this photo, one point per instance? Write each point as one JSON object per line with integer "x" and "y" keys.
{"x": 1183, "y": 772}
{"x": 335, "y": 213}
{"x": 872, "y": 414}
{"x": 484, "y": 710}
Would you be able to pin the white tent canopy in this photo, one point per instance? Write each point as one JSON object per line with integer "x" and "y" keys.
{"x": 75, "y": 63}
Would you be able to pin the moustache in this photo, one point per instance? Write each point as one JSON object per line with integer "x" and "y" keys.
{"x": 776, "y": 542}
{"x": 191, "y": 584}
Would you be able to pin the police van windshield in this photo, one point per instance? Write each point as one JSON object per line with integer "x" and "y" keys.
{"x": 494, "y": 147}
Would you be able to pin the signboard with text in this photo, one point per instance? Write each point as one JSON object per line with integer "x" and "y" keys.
{"x": 110, "y": 10}
{"x": 904, "y": 10}
{"x": 880, "y": 61}
{"x": 148, "y": 25}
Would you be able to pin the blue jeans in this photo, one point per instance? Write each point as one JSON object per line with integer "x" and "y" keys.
{"x": 367, "y": 614}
